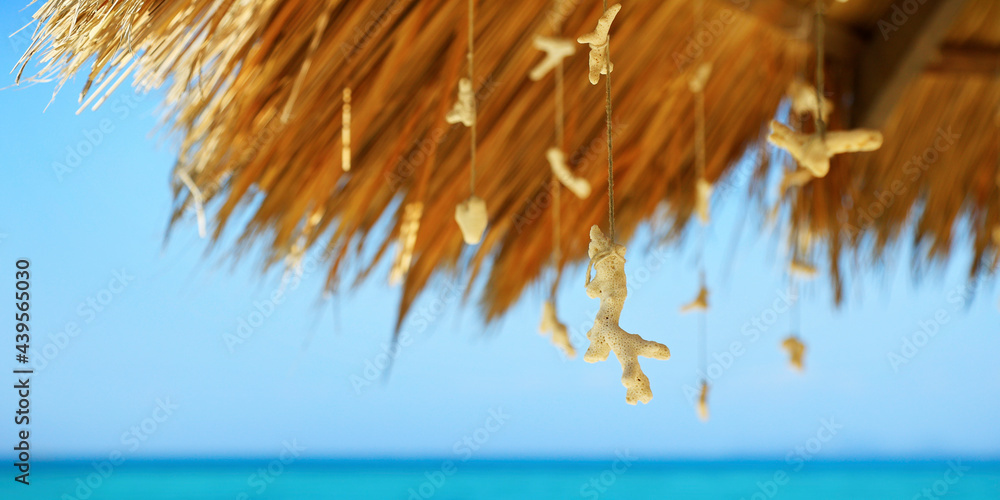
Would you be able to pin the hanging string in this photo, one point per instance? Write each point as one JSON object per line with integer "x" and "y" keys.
{"x": 475, "y": 111}
{"x": 699, "y": 137}
{"x": 796, "y": 313}
{"x": 820, "y": 79}
{"x": 996, "y": 226}
{"x": 611, "y": 172}
{"x": 802, "y": 35}
{"x": 560, "y": 107}
{"x": 700, "y": 159}
{"x": 703, "y": 334}
{"x": 703, "y": 316}
{"x": 556, "y": 186}
{"x": 699, "y": 144}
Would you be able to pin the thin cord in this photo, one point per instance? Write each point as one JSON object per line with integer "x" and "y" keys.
{"x": 996, "y": 226}
{"x": 611, "y": 168}
{"x": 475, "y": 112}
{"x": 796, "y": 314}
{"x": 699, "y": 140}
{"x": 699, "y": 136}
{"x": 820, "y": 79}
{"x": 556, "y": 187}
{"x": 703, "y": 328}
{"x": 556, "y": 231}
{"x": 560, "y": 107}
{"x": 803, "y": 36}
{"x": 703, "y": 319}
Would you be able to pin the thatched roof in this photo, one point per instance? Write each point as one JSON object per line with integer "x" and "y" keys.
{"x": 255, "y": 91}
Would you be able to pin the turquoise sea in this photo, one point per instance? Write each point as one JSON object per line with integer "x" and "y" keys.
{"x": 444, "y": 479}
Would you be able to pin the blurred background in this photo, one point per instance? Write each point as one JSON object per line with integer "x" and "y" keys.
{"x": 174, "y": 360}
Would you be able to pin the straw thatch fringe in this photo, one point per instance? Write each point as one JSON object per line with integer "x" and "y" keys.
{"x": 255, "y": 90}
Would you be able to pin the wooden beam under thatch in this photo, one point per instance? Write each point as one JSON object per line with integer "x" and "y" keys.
{"x": 842, "y": 42}
{"x": 984, "y": 61}
{"x": 846, "y": 44}
{"x": 906, "y": 39}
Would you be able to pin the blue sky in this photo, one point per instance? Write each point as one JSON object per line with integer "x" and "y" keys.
{"x": 150, "y": 373}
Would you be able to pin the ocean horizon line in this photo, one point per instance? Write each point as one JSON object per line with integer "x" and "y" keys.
{"x": 528, "y": 461}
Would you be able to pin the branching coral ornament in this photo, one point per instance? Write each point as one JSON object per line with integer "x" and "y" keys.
{"x": 703, "y": 402}
{"x": 598, "y": 40}
{"x": 464, "y": 110}
{"x": 802, "y": 269}
{"x": 796, "y": 351}
{"x": 813, "y": 151}
{"x": 700, "y": 302}
{"x": 471, "y": 218}
{"x": 551, "y": 324}
{"x": 556, "y": 49}
{"x": 577, "y": 185}
{"x": 608, "y": 260}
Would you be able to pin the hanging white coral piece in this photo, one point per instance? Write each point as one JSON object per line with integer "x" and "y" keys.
{"x": 700, "y": 303}
{"x": 408, "y": 229}
{"x": 804, "y": 100}
{"x": 464, "y": 110}
{"x": 802, "y": 269}
{"x": 471, "y": 217}
{"x": 608, "y": 259}
{"x": 796, "y": 351}
{"x": 813, "y": 151}
{"x": 703, "y": 402}
{"x": 551, "y": 323}
{"x": 557, "y": 161}
{"x": 598, "y": 40}
{"x": 556, "y": 49}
